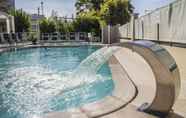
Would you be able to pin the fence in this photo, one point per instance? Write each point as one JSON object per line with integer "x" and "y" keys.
{"x": 13, "y": 38}
{"x": 16, "y": 38}
{"x": 72, "y": 36}
{"x": 167, "y": 24}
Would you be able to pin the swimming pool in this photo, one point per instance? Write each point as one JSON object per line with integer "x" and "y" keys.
{"x": 35, "y": 81}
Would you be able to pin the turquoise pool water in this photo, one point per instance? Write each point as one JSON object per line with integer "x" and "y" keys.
{"x": 35, "y": 81}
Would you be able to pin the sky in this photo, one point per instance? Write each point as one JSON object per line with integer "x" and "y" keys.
{"x": 63, "y": 7}
{"x": 142, "y": 5}
{"x": 66, "y": 7}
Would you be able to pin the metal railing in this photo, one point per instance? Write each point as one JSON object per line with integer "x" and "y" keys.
{"x": 71, "y": 36}
{"x": 60, "y": 36}
{"x": 9, "y": 39}
{"x": 13, "y": 38}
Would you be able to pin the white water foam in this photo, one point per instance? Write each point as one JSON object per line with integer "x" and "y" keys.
{"x": 28, "y": 90}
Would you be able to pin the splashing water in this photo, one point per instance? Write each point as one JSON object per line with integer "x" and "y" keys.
{"x": 92, "y": 63}
{"x": 26, "y": 87}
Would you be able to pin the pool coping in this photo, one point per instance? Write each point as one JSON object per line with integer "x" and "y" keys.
{"x": 30, "y": 45}
{"x": 67, "y": 44}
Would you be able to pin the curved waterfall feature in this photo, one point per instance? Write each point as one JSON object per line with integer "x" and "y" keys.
{"x": 92, "y": 63}
{"x": 30, "y": 90}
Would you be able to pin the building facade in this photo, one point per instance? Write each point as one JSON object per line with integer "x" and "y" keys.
{"x": 7, "y": 5}
{"x": 6, "y": 23}
{"x": 35, "y": 18}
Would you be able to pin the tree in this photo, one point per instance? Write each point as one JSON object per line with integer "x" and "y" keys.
{"x": 115, "y": 12}
{"x": 64, "y": 26}
{"x": 61, "y": 26}
{"x": 69, "y": 27}
{"x": 96, "y": 4}
{"x": 92, "y": 14}
{"x": 88, "y": 5}
{"x": 22, "y": 21}
{"x": 88, "y": 22}
{"x": 47, "y": 26}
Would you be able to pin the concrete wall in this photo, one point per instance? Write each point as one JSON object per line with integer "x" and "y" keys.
{"x": 165, "y": 24}
{"x": 110, "y": 34}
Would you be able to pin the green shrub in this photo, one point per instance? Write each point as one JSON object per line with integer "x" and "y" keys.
{"x": 22, "y": 21}
{"x": 47, "y": 26}
{"x": 88, "y": 22}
